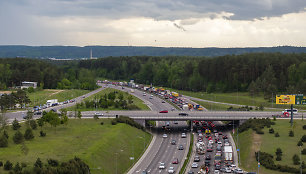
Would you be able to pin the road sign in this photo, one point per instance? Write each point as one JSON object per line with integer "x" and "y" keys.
{"x": 300, "y": 99}
{"x": 237, "y": 150}
{"x": 285, "y": 99}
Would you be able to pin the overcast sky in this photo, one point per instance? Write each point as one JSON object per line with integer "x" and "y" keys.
{"x": 165, "y": 23}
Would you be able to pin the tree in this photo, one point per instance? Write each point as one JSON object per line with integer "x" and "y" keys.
{"x": 53, "y": 119}
{"x": 38, "y": 163}
{"x": 130, "y": 99}
{"x": 8, "y": 165}
{"x": 15, "y": 124}
{"x": 79, "y": 115}
{"x": 291, "y": 133}
{"x": 303, "y": 139}
{"x": 296, "y": 159}
{"x": 3, "y": 141}
{"x": 300, "y": 143}
{"x": 17, "y": 168}
{"x": 33, "y": 124}
{"x": 28, "y": 135}
{"x": 279, "y": 151}
{"x": 18, "y": 137}
{"x": 276, "y": 134}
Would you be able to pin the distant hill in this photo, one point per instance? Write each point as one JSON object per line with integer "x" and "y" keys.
{"x": 75, "y": 52}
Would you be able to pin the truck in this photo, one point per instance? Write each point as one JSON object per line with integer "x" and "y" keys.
{"x": 204, "y": 170}
{"x": 132, "y": 91}
{"x": 185, "y": 108}
{"x": 228, "y": 154}
{"x": 200, "y": 148}
{"x": 52, "y": 102}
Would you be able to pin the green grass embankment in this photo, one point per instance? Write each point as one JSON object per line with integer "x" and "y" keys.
{"x": 102, "y": 147}
{"x": 249, "y": 142}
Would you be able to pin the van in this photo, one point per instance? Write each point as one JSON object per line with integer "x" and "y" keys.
{"x": 295, "y": 111}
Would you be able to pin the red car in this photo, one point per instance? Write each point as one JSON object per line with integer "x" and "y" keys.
{"x": 175, "y": 161}
{"x": 164, "y": 111}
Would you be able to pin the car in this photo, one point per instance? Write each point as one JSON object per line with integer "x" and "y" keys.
{"x": 219, "y": 143}
{"x": 180, "y": 147}
{"x": 194, "y": 165}
{"x": 190, "y": 172}
{"x": 172, "y": 109}
{"x": 163, "y": 101}
{"x": 216, "y": 171}
{"x": 224, "y": 136}
{"x": 228, "y": 170}
{"x": 165, "y": 136}
{"x": 163, "y": 111}
{"x": 167, "y": 123}
{"x": 83, "y": 96}
{"x": 171, "y": 170}
{"x": 209, "y": 149}
{"x": 162, "y": 165}
{"x": 226, "y": 144}
{"x": 232, "y": 167}
{"x": 226, "y": 141}
{"x": 183, "y": 114}
{"x": 144, "y": 172}
{"x": 208, "y": 157}
{"x": 175, "y": 161}
{"x": 37, "y": 113}
{"x": 196, "y": 159}
{"x": 151, "y": 97}
{"x": 183, "y": 135}
{"x": 175, "y": 122}
{"x": 173, "y": 142}
{"x": 238, "y": 171}
{"x": 98, "y": 114}
{"x": 209, "y": 138}
{"x": 222, "y": 170}
{"x": 218, "y": 166}
{"x": 220, "y": 133}
{"x": 211, "y": 142}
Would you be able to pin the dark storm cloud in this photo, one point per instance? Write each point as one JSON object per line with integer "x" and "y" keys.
{"x": 157, "y": 9}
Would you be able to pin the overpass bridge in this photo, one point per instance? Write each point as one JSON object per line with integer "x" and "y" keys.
{"x": 174, "y": 115}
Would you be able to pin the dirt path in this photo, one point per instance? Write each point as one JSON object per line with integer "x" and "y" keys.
{"x": 55, "y": 91}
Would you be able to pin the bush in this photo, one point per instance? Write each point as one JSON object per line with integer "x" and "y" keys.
{"x": 28, "y": 135}
{"x": 102, "y": 123}
{"x": 96, "y": 117}
{"x": 296, "y": 159}
{"x": 304, "y": 127}
{"x": 8, "y": 165}
{"x": 304, "y": 151}
{"x": 1, "y": 163}
{"x": 15, "y": 125}
{"x": 42, "y": 133}
{"x": 279, "y": 151}
{"x": 53, "y": 162}
{"x": 300, "y": 143}
{"x": 3, "y": 141}
{"x": 276, "y": 134}
{"x": 17, "y": 168}
{"x": 38, "y": 163}
{"x": 303, "y": 139}
{"x": 18, "y": 137}
{"x": 23, "y": 165}
{"x": 278, "y": 158}
{"x": 5, "y": 134}
{"x": 114, "y": 122}
{"x": 33, "y": 124}
{"x": 271, "y": 130}
{"x": 291, "y": 133}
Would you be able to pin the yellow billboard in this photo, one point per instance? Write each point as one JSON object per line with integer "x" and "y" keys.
{"x": 285, "y": 99}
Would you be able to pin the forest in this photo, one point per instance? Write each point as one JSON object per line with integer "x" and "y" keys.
{"x": 252, "y": 72}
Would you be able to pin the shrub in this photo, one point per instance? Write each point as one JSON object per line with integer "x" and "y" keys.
{"x": 304, "y": 151}
{"x": 278, "y": 158}
{"x": 5, "y": 134}
{"x": 300, "y": 143}
{"x": 53, "y": 162}
{"x": 38, "y": 163}
{"x": 303, "y": 139}
{"x": 33, "y": 124}
{"x": 23, "y": 165}
{"x": 114, "y": 122}
{"x": 28, "y": 135}
{"x": 3, "y": 141}
{"x": 102, "y": 123}
{"x": 276, "y": 134}
{"x": 17, "y": 168}
{"x": 279, "y": 151}
{"x": 18, "y": 137}
{"x": 271, "y": 130}
{"x": 15, "y": 125}
{"x": 8, "y": 165}
{"x": 296, "y": 159}
{"x": 1, "y": 163}
{"x": 96, "y": 117}
{"x": 304, "y": 127}
{"x": 42, "y": 133}
{"x": 291, "y": 133}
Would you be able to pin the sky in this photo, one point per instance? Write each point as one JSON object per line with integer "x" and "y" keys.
{"x": 158, "y": 23}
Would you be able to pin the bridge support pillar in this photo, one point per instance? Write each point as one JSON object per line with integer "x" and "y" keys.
{"x": 190, "y": 124}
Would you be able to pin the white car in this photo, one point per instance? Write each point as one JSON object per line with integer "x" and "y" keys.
{"x": 228, "y": 170}
{"x": 232, "y": 167}
{"x": 183, "y": 135}
{"x": 216, "y": 172}
{"x": 219, "y": 143}
{"x": 165, "y": 136}
{"x": 171, "y": 170}
{"x": 194, "y": 165}
{"x": 98, "y": 114}
{"x": 211, "y": 142}
{"x": 226, "y": 144}
{"x": 162, "y": 166}
{"x": 238, "y": 171}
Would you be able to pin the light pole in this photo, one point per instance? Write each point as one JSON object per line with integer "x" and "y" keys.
{"x": 301, "y": 169}
{"x": 258, "y": 164}
{"x": 116, "y": 163}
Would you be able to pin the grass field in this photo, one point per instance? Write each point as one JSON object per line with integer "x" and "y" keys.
{"x": 102, "y": 147}
{"x": 41, "y": 97}
{"x": 139, "y": 103}
{"x": 249, "y": 142}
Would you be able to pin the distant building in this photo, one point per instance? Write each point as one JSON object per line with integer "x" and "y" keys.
{"x": 26, "y": 85}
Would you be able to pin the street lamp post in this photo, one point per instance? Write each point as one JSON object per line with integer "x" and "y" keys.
{"x": 301, "y": 170}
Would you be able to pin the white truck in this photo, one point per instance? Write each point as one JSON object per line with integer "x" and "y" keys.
{"x": 228, "y": 154}
{"x": 52, "y": 102}
{"x": 200, "y": 148}
{"x": 185, "y": 108}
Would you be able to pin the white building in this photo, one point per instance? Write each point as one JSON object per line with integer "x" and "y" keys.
{"x": 26, "y": 85}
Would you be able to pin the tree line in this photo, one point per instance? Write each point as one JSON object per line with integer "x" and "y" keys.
{"x": 253, "y": 72}
{"x": 48, "y": 75}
